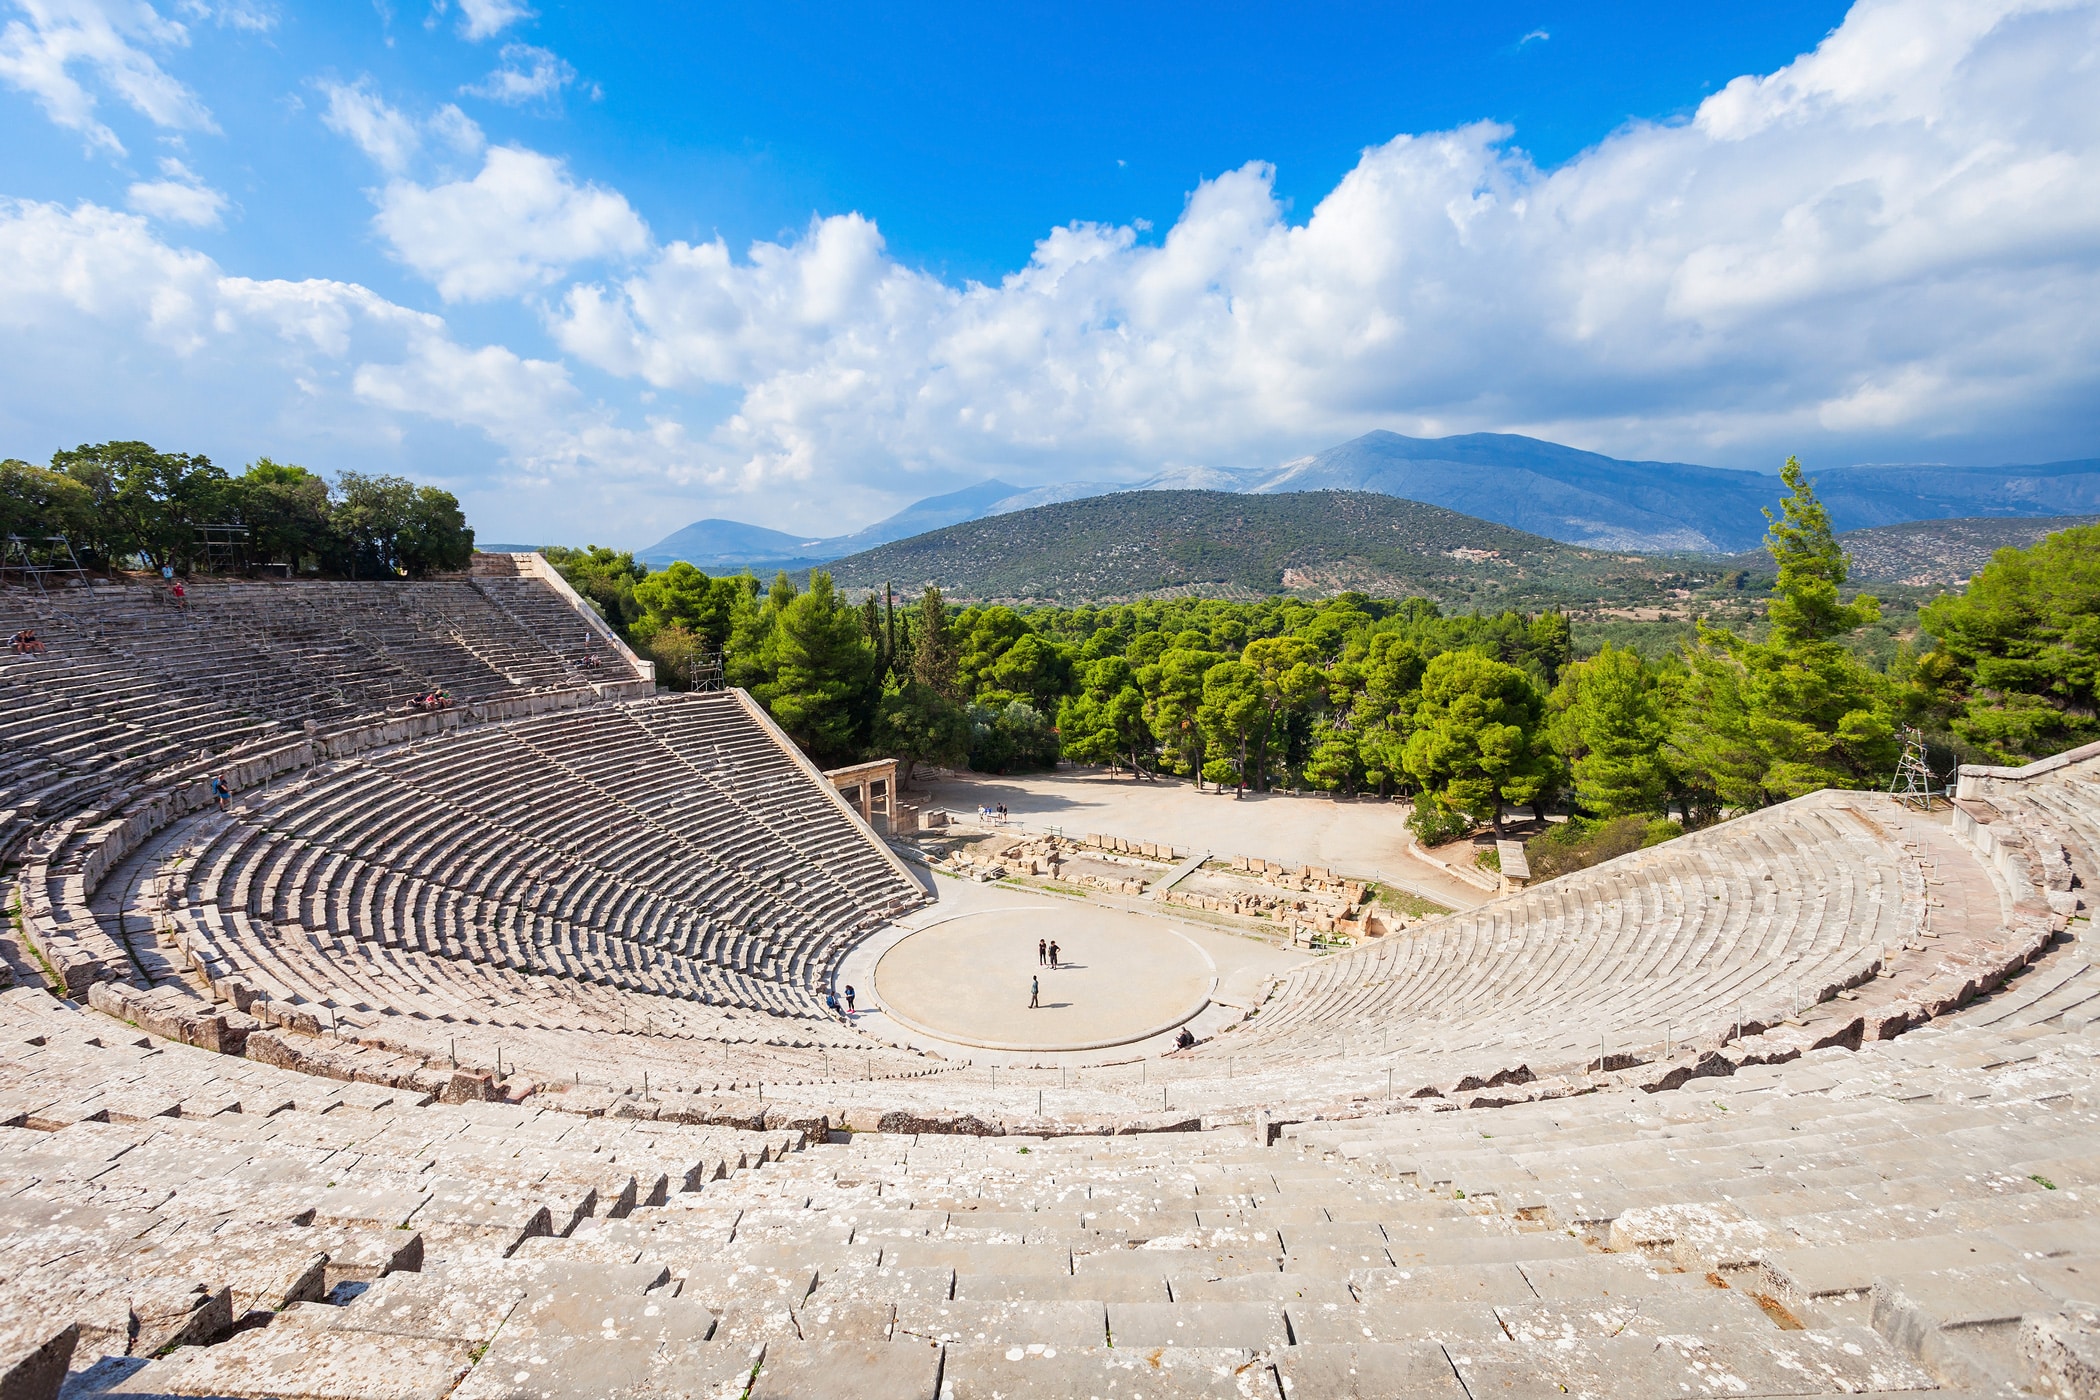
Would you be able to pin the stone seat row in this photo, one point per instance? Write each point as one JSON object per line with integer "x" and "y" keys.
{"x": 768, "y": 939}
{"x": 317, "y": 650}
{"x": 519, "y": 631}
{"x": 543, "y": 1027}
{"x": 155, "y": 1196}
{"x": 560, "y": 801}
{"x": 365, "y": 900}
{"x": 381, "y": 986}
{"x": 857, "y": 1269}
{"x": 297, "y": 882}
{"x": 1790, "y": 904}
{"x": 130, "y": 685}
{"x": 1936, "y": 1188}
{"x": 611, "y": 860}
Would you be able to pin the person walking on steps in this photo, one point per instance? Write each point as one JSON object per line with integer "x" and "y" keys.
{"x": 220, "y": 792}
{"x": 1035, "y": 993}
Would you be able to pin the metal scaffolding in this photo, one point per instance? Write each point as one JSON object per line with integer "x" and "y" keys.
{"x": 1912, "y": 783}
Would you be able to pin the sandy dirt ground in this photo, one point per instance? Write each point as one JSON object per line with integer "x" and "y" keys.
{"x": 1119, "y": 977}
{"x": 1135, "y": 967}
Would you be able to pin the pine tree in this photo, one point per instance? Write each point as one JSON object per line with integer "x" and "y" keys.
{"x": 824, "y": 685}
{"x": 1477, "y": 740}
{"x": 2017, "y": 664}
{"x": 1766, "y": 721}
{"x": 1608, "y": 722}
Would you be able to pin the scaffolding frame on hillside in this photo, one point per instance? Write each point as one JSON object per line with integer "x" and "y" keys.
{"x": 19, "y": 557}
{"x": 708, "y": 672}
{"x": 1912, "y": 782}
{"x": 223, "y": 549}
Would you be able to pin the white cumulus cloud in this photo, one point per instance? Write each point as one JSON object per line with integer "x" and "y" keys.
{"x": 525, "y": 73}
{"x": 482, "y": 19}
{"x": 179, "y": 196}
{"x": 389, "y": 137}
{"x": 141, "y": 338}
{"x": 382, "y": 131}
{"x": 42, "y": 48}
{"x": 252, "y": 16}
{"x": 1888, "y": 248}
{"x": 519, "y": 224}
{"x": 1895, "y": 239}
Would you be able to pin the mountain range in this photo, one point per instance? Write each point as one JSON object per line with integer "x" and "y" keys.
{"x": 1543, "y": 488}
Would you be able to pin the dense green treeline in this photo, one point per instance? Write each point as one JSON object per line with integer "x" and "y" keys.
{"x": 118, "y": 503}
{"x": 1470, "y": 714}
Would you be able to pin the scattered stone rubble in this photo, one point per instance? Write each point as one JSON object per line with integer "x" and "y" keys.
{"x": 1310, "y": 900}
{"x": 1110, "y": 864}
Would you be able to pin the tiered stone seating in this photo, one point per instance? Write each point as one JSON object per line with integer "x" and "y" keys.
{"x": 1667, "y": 953}
{"x": 420, "y": 880}
{"x": 668, "y": 852}
{"x": 2039, "y": 828}
{"x": 482, "y": 1054}
{"x": 131, "y": 684}
{"x": 157, "y": 1195}
{"x": 1936, "y": 1189}
{"x": 1811, "y": 1228}
{"x": 331, "y": 652}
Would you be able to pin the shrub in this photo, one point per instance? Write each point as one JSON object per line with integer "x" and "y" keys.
{"x": 1578, "y": 844}
{"x": 1013, "y": 739}
{"x": 1434, "y": 823}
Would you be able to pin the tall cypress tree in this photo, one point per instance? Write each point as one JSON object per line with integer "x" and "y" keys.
{"x": 934, "y": 665}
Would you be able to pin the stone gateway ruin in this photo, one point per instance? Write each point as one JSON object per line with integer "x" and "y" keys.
{"x": 485, "y": 1048}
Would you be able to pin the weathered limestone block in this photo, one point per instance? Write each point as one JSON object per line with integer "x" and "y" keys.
{"x": 34, "y": 1354}
{"x": 937, "y": 1121}
{"x": 1959, "y": 1322}
{"x": 898, "y": 1370}
{"x": 471, "y": 1086}
{"x": 1702, "y": 1235}
{"x": 1164, "y": 1373}
{"x": 282, "y": 1361}
{"x": 2061, "y": 1355}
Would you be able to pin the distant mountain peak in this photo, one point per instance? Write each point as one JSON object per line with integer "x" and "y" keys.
{"x": 1547, "y": 488}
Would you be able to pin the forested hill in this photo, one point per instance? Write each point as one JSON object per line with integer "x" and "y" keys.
{"x": 1220, "y": 544}
{"x": 1930, "y": 553}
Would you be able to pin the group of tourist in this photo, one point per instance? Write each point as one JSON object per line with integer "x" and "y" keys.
{"x": 987, "y": 814}
{"x": 1045, "y": 956}
{"x": 840, "y": 1003}
{"x": 432, "y": 700}
{"x": 26, "y": 643}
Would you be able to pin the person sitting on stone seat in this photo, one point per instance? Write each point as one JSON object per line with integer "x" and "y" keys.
{"x": 26, "y": 643}
{"x": 1185, "y": 1039}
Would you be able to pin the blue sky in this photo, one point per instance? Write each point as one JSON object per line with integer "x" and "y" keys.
{"x": 604, "y": 270}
